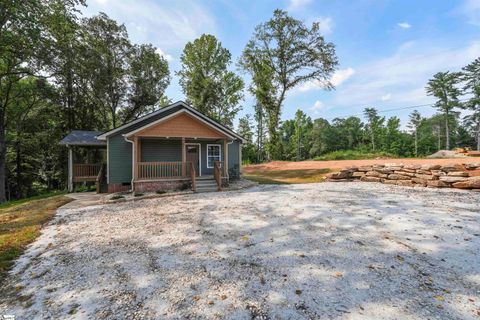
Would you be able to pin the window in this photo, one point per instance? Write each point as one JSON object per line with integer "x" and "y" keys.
{"x": 213, "y": 154}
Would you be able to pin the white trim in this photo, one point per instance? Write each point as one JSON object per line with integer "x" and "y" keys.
{"x": 128, "y": 134}
{"x": 199, "y": 155}
{"x": 220, "y": 152}
{"x": 221, "y": 127}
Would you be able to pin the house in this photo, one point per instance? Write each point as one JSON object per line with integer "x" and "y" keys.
{"x": 171, "y": 148}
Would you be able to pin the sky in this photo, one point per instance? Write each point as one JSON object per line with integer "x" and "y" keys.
{"x": 387, "y": 49}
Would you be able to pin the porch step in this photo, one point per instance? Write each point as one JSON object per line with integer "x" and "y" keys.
{"x": 205, "y": 185}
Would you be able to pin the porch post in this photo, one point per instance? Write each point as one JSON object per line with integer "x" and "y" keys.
{"x": 184, "y": 158}
{"x": 225, "y": 157}
{"x": 70, "y": 169}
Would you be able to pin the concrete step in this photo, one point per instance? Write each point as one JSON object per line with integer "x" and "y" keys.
{"x": 209, "y": 185}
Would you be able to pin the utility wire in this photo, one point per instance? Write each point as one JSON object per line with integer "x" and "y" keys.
{"x": 390, "y": 110}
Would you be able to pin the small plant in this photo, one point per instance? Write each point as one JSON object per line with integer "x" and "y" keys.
{"x": 138, "y": 194}
{"x": 117, "y": 196}
{"x": 160, "y": 191}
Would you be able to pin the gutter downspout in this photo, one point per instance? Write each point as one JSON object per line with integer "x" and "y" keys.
{"x": 133, "y": 162}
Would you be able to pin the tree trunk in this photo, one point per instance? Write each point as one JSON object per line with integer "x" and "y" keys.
{"x": 447, "y": 132}
{"x": 18, "y": 173}
{"x": 3, "y": 151}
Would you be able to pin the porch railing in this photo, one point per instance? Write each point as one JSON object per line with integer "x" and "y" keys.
{"x": 164, "y": 170}
{"x": 86, "y": 172}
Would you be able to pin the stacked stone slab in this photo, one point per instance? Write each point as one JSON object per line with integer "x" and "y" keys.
{"x": 462, "y": 176}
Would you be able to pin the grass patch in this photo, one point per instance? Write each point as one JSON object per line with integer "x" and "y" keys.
{"x": 41, "y": 196}
{"x": 20, "y": 225}
{"x": 353, "y": 155}
{"x": 263, "y": 176}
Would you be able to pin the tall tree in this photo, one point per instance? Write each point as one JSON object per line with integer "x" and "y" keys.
{"x": 374, "y": 123}
{"x": 206, "y": 81}
{"x": 414, "y": 124}
{"x": 260, "y": 131}
{"x": 109, "y": 48}
{"x": 443, "y": 86}
{"x": 24, "y": 43}
{"x": 303, "y": 128}
{"x": 471, "y": 77}
{"x": 148, "y": 77}
{"x": 282, "y": 54}
{"x": 246, "y": 131}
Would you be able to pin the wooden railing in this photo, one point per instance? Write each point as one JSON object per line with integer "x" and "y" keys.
{"x": 163, "y": 170}
{"x": 217, "y": 173}
{"x": 85, "y": 172}
{"x": 193, "y": 176}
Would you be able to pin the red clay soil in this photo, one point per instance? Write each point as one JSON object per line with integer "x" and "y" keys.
{"x": 340, "y": 164}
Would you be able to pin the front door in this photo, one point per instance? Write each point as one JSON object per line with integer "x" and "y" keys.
{"x": 193, "y": 156}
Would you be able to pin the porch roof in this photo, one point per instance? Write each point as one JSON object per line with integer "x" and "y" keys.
{"x": 83, "y": 138}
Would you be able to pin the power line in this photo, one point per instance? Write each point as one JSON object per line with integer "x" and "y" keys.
{"x": 390, "y": 110}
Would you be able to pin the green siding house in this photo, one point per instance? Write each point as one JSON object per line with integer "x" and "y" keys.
{"x": 174, "y": 147}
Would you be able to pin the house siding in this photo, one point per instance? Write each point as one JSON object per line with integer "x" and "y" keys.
{"x": 120, "y": 152}
{"x": 156, "y": 150}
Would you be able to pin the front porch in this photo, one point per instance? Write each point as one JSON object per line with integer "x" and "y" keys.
{"x": 189, "y": 160}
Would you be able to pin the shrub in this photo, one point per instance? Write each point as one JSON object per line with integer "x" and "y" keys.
{"x": 160, "y": 191}
{"x": 138, "y": 194}
{"x": 116, "y": 197}
{"x": 353, "y": 155}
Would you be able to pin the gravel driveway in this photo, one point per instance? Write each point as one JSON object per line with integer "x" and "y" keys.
{"x": 314, "y": 251}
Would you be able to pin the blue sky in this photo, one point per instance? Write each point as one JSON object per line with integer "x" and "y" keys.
{"x": 387, "y": 49}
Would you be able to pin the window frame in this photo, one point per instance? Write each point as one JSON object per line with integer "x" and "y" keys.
{"x": 219, "y": 151}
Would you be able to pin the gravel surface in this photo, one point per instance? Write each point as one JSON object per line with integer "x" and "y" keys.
{"x": 313, "y": 251}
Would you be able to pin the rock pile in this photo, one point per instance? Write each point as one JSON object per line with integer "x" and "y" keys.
{"x": 462, "y": 176}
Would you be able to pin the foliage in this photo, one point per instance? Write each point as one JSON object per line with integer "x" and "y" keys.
{"x": 282, "y": 54}
{"x": 353, "y": 155}
{"x": 443, "y": 86}
{"x": 245, "y": 130}
{"x": 471, "y": 78}
{"x": 206, "y": 81}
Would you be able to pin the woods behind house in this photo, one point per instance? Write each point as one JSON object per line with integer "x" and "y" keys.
{"x": 60, "y": 72}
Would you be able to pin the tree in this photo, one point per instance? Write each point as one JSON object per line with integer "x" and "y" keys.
{"x": 303, "y": 128}
{"x": 148, "y": 77}
{"x": 206, "y": 81}
{"x": 260, "y": 131}
{"x": 282, "y": 54}
{"x": 108, "y": 47}
{"x": 374, "y": 125}
{"x": 414, "y": 123}
{"x": 245, "y": 131}
{"x": 24, "y": 42}
{"x": 443, "y": 87}
{"x": 471, "y": 77}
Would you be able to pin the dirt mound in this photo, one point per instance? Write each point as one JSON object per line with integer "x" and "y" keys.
{"x": 446, "y": 154}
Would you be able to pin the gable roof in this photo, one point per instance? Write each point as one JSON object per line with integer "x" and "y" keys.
{"x": 164, "y": 112}
{"x": 82, "y": 138}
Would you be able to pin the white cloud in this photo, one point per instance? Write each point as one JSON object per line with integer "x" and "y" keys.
{"x": 164, "y": 24}
{"x": 341, "y": 76}
{"x": 317, "y": 107}
{"x": 163, "y": 54}
{"x": 298, "y": 4}
{"x": 386, "y": 97}
{"x": 325, "y": 25}
{"x": 403, "y": 75}
{"x": 404, "y": 25}
{"x": 337, "y": 79}
{"x": 471, "y": 10}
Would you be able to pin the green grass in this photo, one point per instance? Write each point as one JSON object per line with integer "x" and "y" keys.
{"x": 20, "y": 224}
{"x": 263, "y": 176}
{"x": 40, "y": 196}
{"x": 353, "y": 155}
